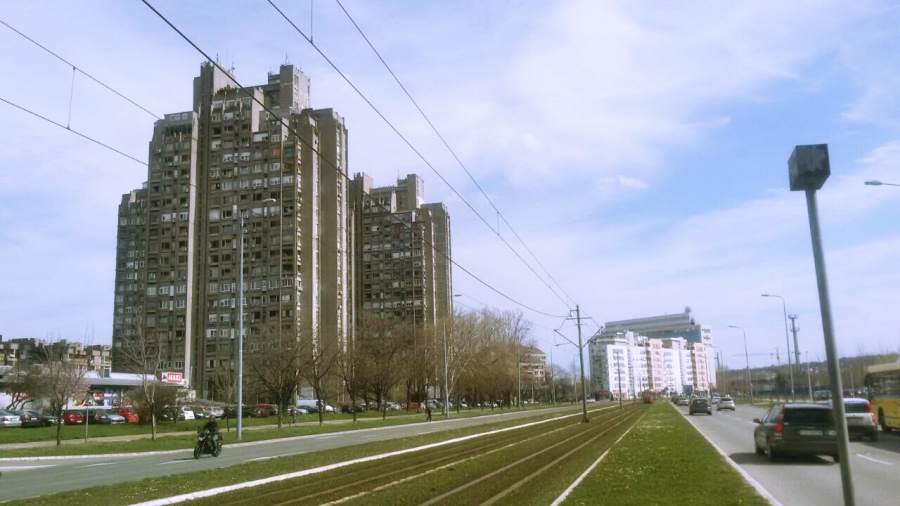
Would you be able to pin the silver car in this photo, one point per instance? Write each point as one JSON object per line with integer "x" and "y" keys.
{"x": 725, "y": 403}
{"x": 8, "y": 419}
{"x": 860, "y": 418}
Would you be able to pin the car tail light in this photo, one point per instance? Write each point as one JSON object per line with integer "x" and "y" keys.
{"x": 871, "y": 413}
{"x": 779, "y": 424}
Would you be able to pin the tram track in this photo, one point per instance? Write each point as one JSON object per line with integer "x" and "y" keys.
{"x": 498, "y": 467}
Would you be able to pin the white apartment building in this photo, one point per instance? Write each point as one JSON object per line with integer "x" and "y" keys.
{"x": 628, "y": 364}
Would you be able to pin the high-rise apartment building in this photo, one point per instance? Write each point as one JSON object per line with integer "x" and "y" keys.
{"x": 403, "y": 253}
{"x": 260, "y": 157}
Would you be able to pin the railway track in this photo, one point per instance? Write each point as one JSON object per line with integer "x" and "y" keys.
{"x": 531, "y": 463}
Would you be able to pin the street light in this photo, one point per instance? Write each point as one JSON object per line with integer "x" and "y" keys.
{"x": 787, "y": 341}
{"x": 240, "y": 340}
{"x": 747, "y": 358}
{"x": 879, "y": 183}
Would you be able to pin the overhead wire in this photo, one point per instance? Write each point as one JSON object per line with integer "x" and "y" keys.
{"x": 243, "y": 90}
{"x": 452, "y": 152}
{"x": 64, "y": 127}
{"x": 146, "y": 164}
{"x": 411, "y": 147}
{"x": 79, "y": 70}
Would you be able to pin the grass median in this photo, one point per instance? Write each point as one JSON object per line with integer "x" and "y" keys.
{"x": 664, "y": 460}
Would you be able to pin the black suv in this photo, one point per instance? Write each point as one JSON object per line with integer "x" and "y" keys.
{"x": 796, "y": 429}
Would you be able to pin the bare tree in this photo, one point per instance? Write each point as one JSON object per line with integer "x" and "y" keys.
{"x": 143, "y": 353}
{"x": 65, "y": 380}
{"x": 27, "y": 382}
{"x": 462, "y": 351}
{"x": 381, "y": 344}
{"x": 352, "y": 371}
{"x": 321, "y": 359}
{"x": 275, "y": 365}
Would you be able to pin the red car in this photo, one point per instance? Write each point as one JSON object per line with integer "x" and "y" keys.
{"x": 70, "y": 417}
{"x": 125, "y": 411}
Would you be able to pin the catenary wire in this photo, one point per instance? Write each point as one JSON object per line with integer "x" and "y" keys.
{"x": 78, "y": 69}
{"x": 414, "y": 150}
{"x": 64, "y": 127}
{"x": 447, "y": 145}
{"x": 243, "y": 90}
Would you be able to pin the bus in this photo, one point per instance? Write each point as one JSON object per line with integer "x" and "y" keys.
{"x": 883, "y": 385}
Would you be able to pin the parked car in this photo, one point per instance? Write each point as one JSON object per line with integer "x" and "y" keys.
{"x": 8, "y": 419}
{"x": 796, "y": 429}
{"x": 200, "y": 412}
{"x": 264, "y": 410}
{"x": 860, "y": 418}
{"x": 130, "y": 415}
{"x": 72, "y": 417}
{"x": 725, "y": 403}
{"x": 700, "y": 405}
{"x": 28, "y": 418}
{"x": 231, "y": 411}
{"x": 114, "y": 418}
{"x": 97, "y": 416}
{"x": 295, "y": 411}
{"x": 46, "y": 419}
{"x": 179, "y": 412}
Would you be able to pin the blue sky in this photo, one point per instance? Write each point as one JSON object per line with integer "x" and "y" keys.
{"x": 639, "y": 149}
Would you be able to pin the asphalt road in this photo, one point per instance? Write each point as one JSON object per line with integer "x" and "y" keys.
{"x": 34, "y": 478}
{"x": 802, "y": 481}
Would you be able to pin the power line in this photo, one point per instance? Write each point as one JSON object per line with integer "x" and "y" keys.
{"x": 64, "y": 127}
{"x": 79, "y": 70}
{"x": 243, "y": 90}
{"x": 452, "y": 152}
{"x": 411, "y": 147}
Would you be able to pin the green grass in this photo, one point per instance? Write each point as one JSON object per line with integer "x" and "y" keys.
{"x": 168, "y": 486}
{"x": 131, "y": 438}
{"x": 664, "y": 460}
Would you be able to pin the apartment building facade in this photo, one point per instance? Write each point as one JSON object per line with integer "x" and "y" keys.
{"x": 669, "y": 353}
{"x": 250, "y": 188}
{"x": 251, "y": 169}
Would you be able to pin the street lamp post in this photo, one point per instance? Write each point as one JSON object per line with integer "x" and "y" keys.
{"x": 787, "y": 341}
{"x": 240, "y": 340}
{"x": 747, "y": 359}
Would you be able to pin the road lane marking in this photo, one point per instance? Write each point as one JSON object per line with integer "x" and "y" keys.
{"x": 24, "y": 468}
{"x": 97, "y": 465}
{"x": 182, "y": 461}
{"x": 874, "y": 460}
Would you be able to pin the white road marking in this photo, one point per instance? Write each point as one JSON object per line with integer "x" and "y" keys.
{"x": 100, "y": 464}
{"x": 267, "y": 457}
{"x": 182, "y": 461}
{"x": 23, "y": 468}
{"x": 873, "y": 460}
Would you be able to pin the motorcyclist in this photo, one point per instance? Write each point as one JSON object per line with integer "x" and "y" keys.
{"x": 211, "y": 425}
{"x": 211, "y": 429}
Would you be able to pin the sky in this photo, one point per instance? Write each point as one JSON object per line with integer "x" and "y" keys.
{"x": 625, "y": 159}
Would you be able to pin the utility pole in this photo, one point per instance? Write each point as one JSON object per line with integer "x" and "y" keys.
{"x": 581, "y": 359}
{"x": 794, "y": 330}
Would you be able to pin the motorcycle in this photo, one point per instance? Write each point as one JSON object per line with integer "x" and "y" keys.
{"x": 208, "y": 444}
